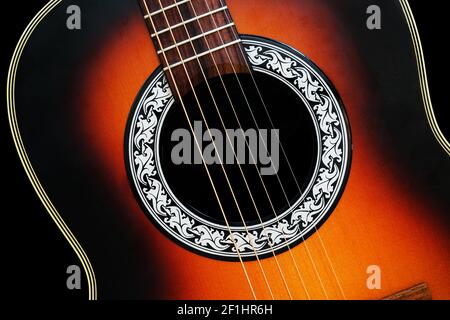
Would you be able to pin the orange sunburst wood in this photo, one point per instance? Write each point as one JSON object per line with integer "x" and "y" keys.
{"x": 378, "y": 220}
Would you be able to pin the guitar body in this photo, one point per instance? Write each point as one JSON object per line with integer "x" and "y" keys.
{"x": 76, "y": 93}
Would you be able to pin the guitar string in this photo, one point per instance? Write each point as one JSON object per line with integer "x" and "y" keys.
{"x": 170, "y": 28}
{"x": 146, "y": 8}
{"x": 312, "y": 260}
{"x": 239, "y": 124}
{"x": 300, "y": 191}
{"x": 290, "y": 167}
{"x": 298, "y": 186}
{"x": 254, "y": 119}
{"x": 285, "y": 156}
{"x": 261, "y": 180}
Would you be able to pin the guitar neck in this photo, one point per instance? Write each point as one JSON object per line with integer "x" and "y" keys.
{"x": 194, "y": 39}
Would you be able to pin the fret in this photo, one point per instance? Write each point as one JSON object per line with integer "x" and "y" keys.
{"x": 185, "y": 22}
{"x": 176, "y": 4}
{"x": 194, "y": 57}
{"x": 200, "y": 36}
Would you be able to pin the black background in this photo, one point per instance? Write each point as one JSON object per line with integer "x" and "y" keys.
{"x": 35, "y": 253}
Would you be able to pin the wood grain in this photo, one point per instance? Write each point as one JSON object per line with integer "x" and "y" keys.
{"x": 418, "y": 292}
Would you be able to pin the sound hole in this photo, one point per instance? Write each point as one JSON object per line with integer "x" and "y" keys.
{"x": 189, "y": 180}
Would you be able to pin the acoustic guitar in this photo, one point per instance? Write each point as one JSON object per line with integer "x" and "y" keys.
{"x": 203, "y": 149}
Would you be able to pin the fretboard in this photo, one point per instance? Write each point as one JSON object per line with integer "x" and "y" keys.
{"x": 194, "y": 39}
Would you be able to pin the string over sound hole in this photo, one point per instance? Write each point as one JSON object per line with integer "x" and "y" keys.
{"x": 294, "y": 174}
{"x": 259, "y": 160}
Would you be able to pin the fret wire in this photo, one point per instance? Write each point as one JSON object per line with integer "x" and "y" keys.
{"x": 202, "y": 54}
{"x": 196, "y": 37}
{"x": 165, "y": 9}
{"x": 189, "y": 21}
